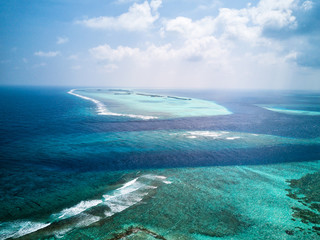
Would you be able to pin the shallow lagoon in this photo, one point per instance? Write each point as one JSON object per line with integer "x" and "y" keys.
{"x": 127, "y": 103}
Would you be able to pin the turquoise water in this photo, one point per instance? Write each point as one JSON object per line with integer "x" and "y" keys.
{"x": 295, "y": 109}
{"x": 247, "y": 202}
{"x": 146, "y": 106}
{"x": 110, "y": 143}
{"x": 123, "y": 164}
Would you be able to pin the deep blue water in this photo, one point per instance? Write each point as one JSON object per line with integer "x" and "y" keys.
{"x": 30, "y": 115}
{"x": 49, "y": 138}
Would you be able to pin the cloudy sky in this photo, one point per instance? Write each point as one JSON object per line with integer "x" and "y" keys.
{"x": 268, "y": 44}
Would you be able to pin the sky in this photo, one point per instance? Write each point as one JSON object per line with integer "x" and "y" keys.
{"x": 205, "y": 44}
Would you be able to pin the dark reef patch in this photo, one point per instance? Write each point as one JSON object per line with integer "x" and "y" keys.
{"x": 135, "y": 230}
{"x": 306, "y": 191}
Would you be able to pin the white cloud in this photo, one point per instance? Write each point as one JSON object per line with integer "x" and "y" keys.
{"x": 211, "y": 36}
{"x": 62, "y": 40}
{"x": 230, "y": 24}
{"x": 155, "y": 4}
{"x": 235, "y": 24}
{"x": 206, "y": 48}
{"x": 307, "y": 5}
{"x": 245, "y": 24}
{"x": 230, "y": 49}
{"x": 47, "y": 54}
{"x": 273, "y": 13}
{"x": 189, "y": 28}
{"x": 138, "y": 18}
{"x": 105, "y": 52}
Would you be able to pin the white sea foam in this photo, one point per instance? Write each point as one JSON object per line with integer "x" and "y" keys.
{"x": 211, "y": 134}
{"x": 75, "y": 210}
{"x": 160, "y": 177}
{"x": 87, "y": 219}
{"x": 129, "y": 194}
{"x": 191, "y": 136}
{"x": 232, "y": 138}
{"x": 102, "y": 109}
{"x": 150, "y": 176}
{"x": 128, "y": 183}
{"x": 114, "y": 198}
{"x": 84, "y": 221}
{"x": 17, "y": 229}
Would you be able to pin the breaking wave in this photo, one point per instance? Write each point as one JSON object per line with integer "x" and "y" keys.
{"x": 88, "y": 212}
{"x": 102, "y": 109}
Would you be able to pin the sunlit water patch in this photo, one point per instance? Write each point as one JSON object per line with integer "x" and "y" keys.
{"x": 150, "y": 141}
{"x": 158, "y": 148}
{"x": 125, "y": 103}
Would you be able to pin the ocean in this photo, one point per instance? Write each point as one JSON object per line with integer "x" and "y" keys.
{"x": 98, "y": 163}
